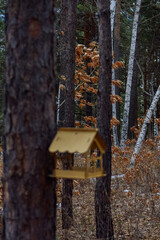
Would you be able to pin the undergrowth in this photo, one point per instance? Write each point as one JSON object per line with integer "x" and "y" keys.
{"x": 135, "y": 197}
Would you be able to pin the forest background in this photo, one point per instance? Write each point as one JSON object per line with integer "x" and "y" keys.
{"x": 146, "y": 80}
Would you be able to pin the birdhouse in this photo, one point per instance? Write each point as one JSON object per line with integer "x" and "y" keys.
{"x": 77, "y": 153}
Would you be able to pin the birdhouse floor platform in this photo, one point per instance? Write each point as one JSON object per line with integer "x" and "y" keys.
{"x": 77, "y": 173}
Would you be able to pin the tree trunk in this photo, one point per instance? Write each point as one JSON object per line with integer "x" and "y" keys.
{"x": 104, "y": 226}
{"x": 68, "y": 66}
{"x": 116, "y": 49}
{"x": 89, "y": 36}
{"x": 113, "y": 4}
{"x": 29, "y": 194}
{"x": 144, "y": 127}
{"x": 63, "y": 60}
{"x": 155, "y": 127}
{"x": 114, "y": 112}
{"x": 130, "y": 75}
{"x": 115, "y": 72}
{"x": 145, "y": 87}
{"x": 133, "y": 112}
{"x": 89, "y": 23}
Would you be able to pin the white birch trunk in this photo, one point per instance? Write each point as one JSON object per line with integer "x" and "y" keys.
{"x": 158, "y": 144}
{"x": 130, "y": 74}
{"x": 156, "y": 130}
{"x": 114, "y": 114}
{"x": 156, "y": 133}
{"x": 144, "y": 127}
{"x": 154, "y": 112}
{"x": 112, "y": 9}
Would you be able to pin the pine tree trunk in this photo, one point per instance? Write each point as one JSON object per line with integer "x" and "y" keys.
{"x": 104, "y": 226}
{"x": 144, "y": 127}
{"x": 29, "y": 194}
{"x": 63, "y": 60}
{"x": 68, "y": 65}
{"x": 133, "y": 113}
{"x": 130, "y": 75}
{"x": 89, "y": 36}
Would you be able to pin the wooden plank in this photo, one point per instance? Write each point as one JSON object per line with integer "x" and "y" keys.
{"x": 76, "y": 174}
{"x": 68, "y": 174}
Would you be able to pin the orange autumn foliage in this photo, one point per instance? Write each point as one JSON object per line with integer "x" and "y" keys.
{"x": 86, "y": 80}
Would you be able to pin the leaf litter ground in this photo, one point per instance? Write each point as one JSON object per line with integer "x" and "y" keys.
{"x": 135, "y": 204}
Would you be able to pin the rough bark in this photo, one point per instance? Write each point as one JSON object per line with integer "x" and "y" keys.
{"x": 63, "y": 60}
{"x": 133, "y": 113}
{"x": 130, "y": 75}
{"x": 89, "y": 36}
{"x": 144, "y": 127}
{"x": 29, "y": 194}
{"x": 68, "y": 66}
{"x": 104, "y": 227}
{"x": 89, "y": 24}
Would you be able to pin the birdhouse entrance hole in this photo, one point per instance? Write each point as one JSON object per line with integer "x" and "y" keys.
{"x": 77, "y": 153}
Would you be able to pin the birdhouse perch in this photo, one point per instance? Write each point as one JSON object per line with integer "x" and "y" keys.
{"x": 77, "y": 153}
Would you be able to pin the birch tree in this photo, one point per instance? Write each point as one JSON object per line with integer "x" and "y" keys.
{"x": 114, "y": 114}
{"x": 130, "y": 75}
{"x": 115, "y": 29}
{"x": 144, "y": 127}
{"x": 154, "y": 112}
{"x": 112, "y": 9}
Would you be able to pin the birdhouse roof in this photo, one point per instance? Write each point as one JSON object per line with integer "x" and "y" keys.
{"x": 76, "y": 140}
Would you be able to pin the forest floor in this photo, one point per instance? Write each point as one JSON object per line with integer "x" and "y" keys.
{"x": 136, "y": 215}
{"x": 135, "y": 201}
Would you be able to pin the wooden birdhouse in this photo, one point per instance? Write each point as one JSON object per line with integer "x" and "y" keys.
{"x": 77, "y": 153}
